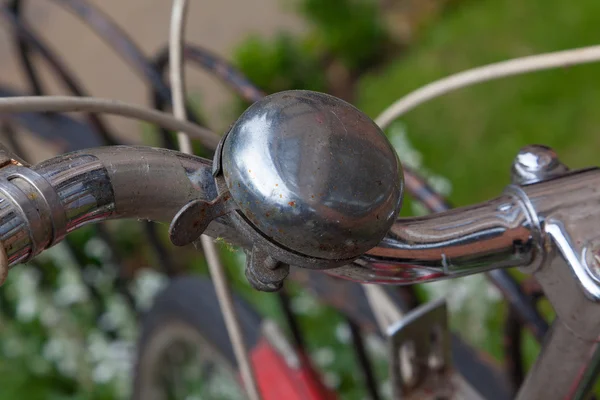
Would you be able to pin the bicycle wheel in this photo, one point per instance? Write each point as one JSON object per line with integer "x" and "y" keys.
{"x": 184, "y": 353}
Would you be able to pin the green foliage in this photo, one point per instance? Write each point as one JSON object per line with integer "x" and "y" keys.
{"x": 349, "y": 33}
{"x": 472, "y": 135}
{"x": 285, "y": 62}
{"x": 351, "y": 30}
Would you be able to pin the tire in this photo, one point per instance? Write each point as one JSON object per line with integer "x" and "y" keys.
{"x": 187, "y": 310}
{"x": 189, "y": 307}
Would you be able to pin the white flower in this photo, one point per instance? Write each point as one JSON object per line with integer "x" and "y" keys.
{"x": 102, "y": 278}
{"x": 469, "y": 300}
{"x": 440, "y": 184}
{"x": 103, "y": 373}
{"x": 331, "y": 380}
{"x": 49, "y": 315}
{"x": 304, "y": 304}
{"x": 24, "y": 291}
{"x": 406, "y": 152}
{"x": 52, "y": 349}
{"x": 97, "y": 347}
{"x": 71, "y": 290}
{"x": 68, "y": 366}
{"x": 61, "y": 256}
{"x": 342, "y": 333}
{"x": 411, "y": 157}
{"x": 27, "y": 308}
{"x": 64, "y": 353}
{"x": 324, "y": 357}
{"x": 147, "y": 284}
{"x": 97, "y": 248}
{"x": 118, "y": 315}
{"x": 111, "y": 360}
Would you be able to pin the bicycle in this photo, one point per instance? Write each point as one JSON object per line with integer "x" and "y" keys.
{"x": 258, "y": 282}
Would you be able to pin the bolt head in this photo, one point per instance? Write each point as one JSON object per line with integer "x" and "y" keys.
{"x": 536, "y": 163}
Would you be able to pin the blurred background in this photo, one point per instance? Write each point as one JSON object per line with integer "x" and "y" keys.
{"x": 54, "y": 344}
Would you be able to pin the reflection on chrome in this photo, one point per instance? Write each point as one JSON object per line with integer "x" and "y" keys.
{"x": 107, "y": 183}
{"x": 463, "y": 241}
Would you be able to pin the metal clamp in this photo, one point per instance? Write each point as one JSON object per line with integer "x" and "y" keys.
{"x": 34, "y": 200}
{"x": 420, "y": 367}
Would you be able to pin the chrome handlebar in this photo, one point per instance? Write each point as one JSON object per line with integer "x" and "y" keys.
{"x": 125, "y": 182}
{"x": 96, "y": 185}
{"x": 41, "y": 204}
{"x": 463, "y": 241}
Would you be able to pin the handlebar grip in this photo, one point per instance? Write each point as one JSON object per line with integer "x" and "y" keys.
{"x": 41, "y": 204}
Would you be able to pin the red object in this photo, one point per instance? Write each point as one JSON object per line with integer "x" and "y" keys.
{"x": 277, "y": 380}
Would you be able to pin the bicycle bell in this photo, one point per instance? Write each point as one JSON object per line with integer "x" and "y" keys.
{"x": 309, "y": 178}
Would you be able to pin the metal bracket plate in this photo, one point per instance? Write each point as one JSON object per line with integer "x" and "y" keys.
{"x": 419, "y": 345}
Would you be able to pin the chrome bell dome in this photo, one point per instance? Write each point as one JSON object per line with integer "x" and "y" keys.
{"x": 312, "y": 174}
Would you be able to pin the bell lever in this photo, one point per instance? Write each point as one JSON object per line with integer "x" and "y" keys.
{"x": 193, "y": 218}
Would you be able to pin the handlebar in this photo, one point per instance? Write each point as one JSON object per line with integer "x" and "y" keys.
{"x": 117, "y": 182}
{"x": 123, "y": 182}
{"x": 41, "y": 204}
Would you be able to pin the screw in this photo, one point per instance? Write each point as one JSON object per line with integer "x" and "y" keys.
{"x": 536, "y": 163}
{"x": 265, "y": 273}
